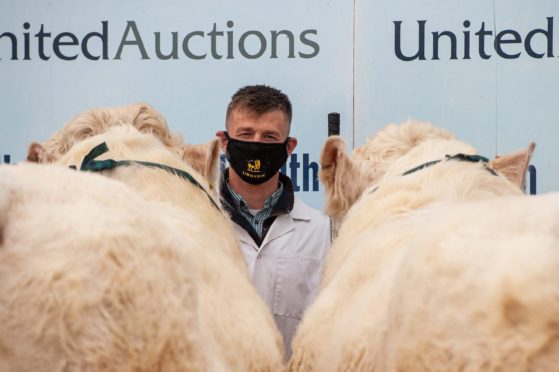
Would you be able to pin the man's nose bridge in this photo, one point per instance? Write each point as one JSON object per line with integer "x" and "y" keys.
{"x": 257, "y": 137}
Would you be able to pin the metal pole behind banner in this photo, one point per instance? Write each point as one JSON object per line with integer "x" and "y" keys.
{"x": 333, "y": 124}
{"x": 532, "y": 172}
{"x": 333, "y": 130}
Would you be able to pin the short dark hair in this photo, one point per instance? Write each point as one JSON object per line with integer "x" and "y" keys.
{"x": 260, "y": 99}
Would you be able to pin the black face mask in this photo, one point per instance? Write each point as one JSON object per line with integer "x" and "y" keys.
{"x": 255, "y": 162}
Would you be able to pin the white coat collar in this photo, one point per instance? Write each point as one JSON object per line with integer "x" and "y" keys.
{"x": 300, "y": 210}
{"x": 283, "y": 224}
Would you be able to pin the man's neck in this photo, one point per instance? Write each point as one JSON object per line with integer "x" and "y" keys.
{"x": 254, "y": 195}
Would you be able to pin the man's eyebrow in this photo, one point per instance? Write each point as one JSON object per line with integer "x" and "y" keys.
{"x": 247, "y": 128}
{"x": 272, "y": 132}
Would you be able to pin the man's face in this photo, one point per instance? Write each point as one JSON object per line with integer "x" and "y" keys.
{"x": 270, "y": 127}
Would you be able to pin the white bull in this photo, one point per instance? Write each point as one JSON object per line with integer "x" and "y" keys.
{"x": 441, "y": 263}
{"x": 143, "y": 274}
{"x": 94, "y": 278}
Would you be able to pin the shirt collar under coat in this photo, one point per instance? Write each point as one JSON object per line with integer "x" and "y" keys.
{"x": 285, "y": 205}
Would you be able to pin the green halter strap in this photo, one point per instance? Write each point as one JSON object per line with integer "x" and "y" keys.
{"x": 90, "y": 164}
{"x": 459, "y": 157}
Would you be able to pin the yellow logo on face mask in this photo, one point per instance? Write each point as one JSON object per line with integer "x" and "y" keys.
{"x": 253, "y": 165}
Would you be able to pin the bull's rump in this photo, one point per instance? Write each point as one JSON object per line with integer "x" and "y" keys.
{"x": 92, "y": 277}
{"x": 463, "y": 285}
{"x": 479, "y": 283}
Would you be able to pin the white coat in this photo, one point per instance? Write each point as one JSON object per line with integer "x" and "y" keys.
{"x": 287, "y": 267}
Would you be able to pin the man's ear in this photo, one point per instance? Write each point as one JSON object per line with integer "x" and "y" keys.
{"x": 37, "y": 154}
{"x": 222, "y": 140}
{"x": 514, "y": 166}
{"x": 340, "y": 177}
{"x": 291, "y": 144}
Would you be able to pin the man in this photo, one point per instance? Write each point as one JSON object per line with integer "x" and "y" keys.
{"x": 284, "y": 241}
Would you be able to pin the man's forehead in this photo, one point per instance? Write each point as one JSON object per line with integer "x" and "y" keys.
{"x": 245, "y": 117}
{"x": 243, "y": 113}
{"x": 251, "y": 114}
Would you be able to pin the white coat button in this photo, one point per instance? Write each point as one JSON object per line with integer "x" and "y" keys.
{"x": 259, "y": 256}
